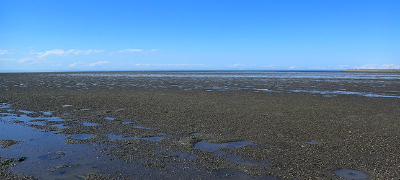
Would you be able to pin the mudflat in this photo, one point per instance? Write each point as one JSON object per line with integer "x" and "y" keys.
{"x": 284, "y": 135}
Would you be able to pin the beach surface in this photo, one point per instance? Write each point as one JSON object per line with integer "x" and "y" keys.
{"x": 215, "y": 129}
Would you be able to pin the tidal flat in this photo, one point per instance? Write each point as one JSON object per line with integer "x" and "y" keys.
{"x": 200, "y": 125}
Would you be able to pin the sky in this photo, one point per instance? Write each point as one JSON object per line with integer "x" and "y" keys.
{"x": 69, "y": 35}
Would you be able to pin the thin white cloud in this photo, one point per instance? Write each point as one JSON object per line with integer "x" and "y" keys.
{"x": 98, "y": 63}
{"x": 271, "y": 66}
{"x": 75, "y": 64}
{"x": 31, "y": 61}
{"x": 6, "y": 59}
{"x": 30, "y": 52}
{"x": 130, "y": 50}
{"x": 378, "y": 66}
{"x": 134, "y": 50}
{"x": 155, "y": 50}
{"x": 72, "y": 65}
{"x": 65, "y": 53}
{"x": 155, "y": 64}
{"x": 81, "y": 64}
{"x": 341, "y": 67}
{"x": 54, "y": 51}
{"x": 25, "y": 60}
{"x": 235, "y": 65}
{"x": 87, "y": 51}
{"x": 241, "y": 65}
{"x": 2, "y": 52}
{"x": 338, "y": 67}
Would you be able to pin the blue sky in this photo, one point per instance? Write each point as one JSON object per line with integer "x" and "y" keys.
{"x": 198, "y": 35}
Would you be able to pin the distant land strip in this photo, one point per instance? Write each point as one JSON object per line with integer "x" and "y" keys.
{"x": 373, "y": 70}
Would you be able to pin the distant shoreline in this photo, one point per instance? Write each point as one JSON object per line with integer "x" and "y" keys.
{"x": 374, "y": 70}
{"x": 124, "y": 71}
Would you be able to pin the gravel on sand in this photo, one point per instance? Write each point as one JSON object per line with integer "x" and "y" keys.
{"x": 301, "y": 136}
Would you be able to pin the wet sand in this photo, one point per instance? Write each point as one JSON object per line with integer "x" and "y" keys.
{"x": 300, "y": 135}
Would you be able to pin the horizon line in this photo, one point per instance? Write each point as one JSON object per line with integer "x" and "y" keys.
{"x": 188, "y": 70}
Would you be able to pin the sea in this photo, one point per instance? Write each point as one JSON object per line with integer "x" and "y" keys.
{"x": 326, "y": 83}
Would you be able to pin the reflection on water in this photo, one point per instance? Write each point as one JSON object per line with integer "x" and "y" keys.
{"x": 27, "y": 112}
{"x": 61, "y": 126}
{"x": 53, "y": 155}
{"x": 326, "y": 92}
{"x": 89, "y": 124}
{"x": 38, "y": 123}
{"x": 38, "y": 146}
{"x": 351, "y": 174}
{"x": 141, "y": 127}
{"x": 4, "y": 105}
{"x": 82, "y": 136}
{"x": 47, "y": 113}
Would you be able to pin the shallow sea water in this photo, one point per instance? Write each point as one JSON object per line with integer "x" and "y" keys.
{"x": 50, "y": 155}
{"x": 351, "y": 174}
{"x": 327, "y": 83}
